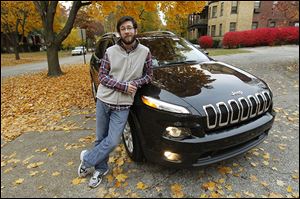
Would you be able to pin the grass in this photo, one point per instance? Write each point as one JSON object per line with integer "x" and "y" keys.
{"x": 28, "y": 57}
{"x": 216, "y": 52}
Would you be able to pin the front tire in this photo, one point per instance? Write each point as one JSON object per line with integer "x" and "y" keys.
{"x": 131, "y": 140}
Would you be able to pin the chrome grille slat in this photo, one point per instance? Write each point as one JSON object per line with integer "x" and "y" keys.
{"x": 268, "y": 100}
{"x": 231, "y": 108}
{"x": 207, "y": 116}
{"x": 252, "y": 106}
{"x": 236, "y": 110}
{"x": 220, "y": 120}
{"x": 240, "y": 100}
{"x": 261, "y": 104}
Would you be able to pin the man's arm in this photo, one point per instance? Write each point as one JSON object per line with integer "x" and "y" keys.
{"x": 107, "y": 80}
{"x": 147, "y": 73}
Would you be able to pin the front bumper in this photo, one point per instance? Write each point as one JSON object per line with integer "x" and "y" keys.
{"x": 211, "y": 148}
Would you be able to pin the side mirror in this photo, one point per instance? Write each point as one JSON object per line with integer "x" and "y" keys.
{"x": 199, "y": 48}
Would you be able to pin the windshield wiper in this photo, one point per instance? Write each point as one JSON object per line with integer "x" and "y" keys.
{"x": 181, "y": 62}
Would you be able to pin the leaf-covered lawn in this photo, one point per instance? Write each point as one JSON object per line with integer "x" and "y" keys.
{"x": 38, "y": 103}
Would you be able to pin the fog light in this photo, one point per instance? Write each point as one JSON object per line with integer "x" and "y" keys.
{"x": 177, "y": 132}
{"x": 173, "y": 157}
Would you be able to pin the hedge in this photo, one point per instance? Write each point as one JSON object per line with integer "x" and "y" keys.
{"x": 205, "y": 42}
{"x": 261, "y": 37}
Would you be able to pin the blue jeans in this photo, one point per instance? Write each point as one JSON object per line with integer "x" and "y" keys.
{"x": 109, "y": 128}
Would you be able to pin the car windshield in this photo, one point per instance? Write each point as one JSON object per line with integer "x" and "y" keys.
{"x": 172, "y": 50}
{"x": 78, "y": 48}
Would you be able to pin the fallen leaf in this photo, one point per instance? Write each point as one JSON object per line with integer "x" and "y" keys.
{"x": 19, "y": 181}
{"x": 209, "y": 186}
{"x": 225, "y": 170}
{"x": 78, "y": 180}
{"x": 141, "y": 185}
{"x": 280, "y": 183}
{"x": 121, "y": 177}
{"x": 289, "y": 189}
{"x": 177, "y": 191}
{"x": 56, "y": 173}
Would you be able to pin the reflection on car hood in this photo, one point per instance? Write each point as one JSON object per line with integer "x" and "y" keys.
{"x": 207, "y": 82}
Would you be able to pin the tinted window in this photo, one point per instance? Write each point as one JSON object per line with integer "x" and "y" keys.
{"x": 168, "y": 50}
{"x": 103, "y": 44}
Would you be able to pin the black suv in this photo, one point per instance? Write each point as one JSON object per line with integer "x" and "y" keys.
{"x": 196, "y": 111}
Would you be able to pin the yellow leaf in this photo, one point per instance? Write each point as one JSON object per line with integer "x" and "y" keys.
{"x": 110, "y": 178}
{"x": 289, "y": 189}
{"x": 78, "y": 180}
{"x": 56, "y": 173}
{"x": 249, "y": 194}
{"x": 275, "y": 195}
{"x": 34, "y": 165}
{"x": 228, "y": 187}
{"x": 266, "y": 163}
{"x": 177, "y": 191}
{"x": 33, "y": 173}
{"x": 7, "y": 170}
{"x": 265, "y": 184}
{"x": 19, "y": 181}
{"x": 141, "y": 185}
{"x": 209, "y": 186}
{"x": 225, "y": 170}
{"x": 253, "y": 164}
{"x": 121, "y": 177}
{"x": 253, "y": 178}
{"x": 70, "y": 163}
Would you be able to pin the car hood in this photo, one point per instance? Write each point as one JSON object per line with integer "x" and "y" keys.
{"x": 207, "y": 83}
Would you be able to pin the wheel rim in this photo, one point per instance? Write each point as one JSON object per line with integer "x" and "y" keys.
{"x": 128, "y": 138}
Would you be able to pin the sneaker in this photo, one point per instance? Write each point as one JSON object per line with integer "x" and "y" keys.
{"x": 97, "y": 178}
{"x": 83, "y": 171}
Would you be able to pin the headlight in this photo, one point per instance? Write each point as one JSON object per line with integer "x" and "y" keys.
{"x": 177, "y": 132}
{"x": 157, "y": 104}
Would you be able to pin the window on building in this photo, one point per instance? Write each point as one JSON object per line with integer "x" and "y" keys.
{"x": 272, "y": 24}
{"x": 232, "y": 26}
{"x": 256, "y": 4}
{"x": 254, "y": 25}
{"x": 208, "y": 30}
{"x": 209, "y": 11}
{"x": 222, "y": 9}
{"x": 234, "y": 7}
{"x": 220, "y": 30}
{"x": 214, "y": 12}
{"x": 213, "y": 30}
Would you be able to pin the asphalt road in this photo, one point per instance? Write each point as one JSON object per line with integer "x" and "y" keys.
{"x": 39, "y": 66}
{"x": 271, "y": 169}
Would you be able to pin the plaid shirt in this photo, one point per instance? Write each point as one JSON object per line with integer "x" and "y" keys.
{"x": 108, "y": 81}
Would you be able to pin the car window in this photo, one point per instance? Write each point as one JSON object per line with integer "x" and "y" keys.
{"x": 168, "y": 50}
{"x": 102, "y": 46}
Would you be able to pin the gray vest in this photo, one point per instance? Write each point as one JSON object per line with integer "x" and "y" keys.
{"x": 123, "y": 67}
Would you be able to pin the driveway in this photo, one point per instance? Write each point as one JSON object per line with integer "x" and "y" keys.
{"x": 269, "y": 170}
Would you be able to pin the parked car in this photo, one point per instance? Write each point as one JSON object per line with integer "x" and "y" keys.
{"x": 196, "y": 111}
{"x": 79, "y": 50}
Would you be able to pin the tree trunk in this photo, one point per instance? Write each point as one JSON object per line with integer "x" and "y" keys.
{"x": 53, "y": 62}
{"x": 16, "y": 50}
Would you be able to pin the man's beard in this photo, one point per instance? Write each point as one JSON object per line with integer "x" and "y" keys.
{"x": 128, "y": 42}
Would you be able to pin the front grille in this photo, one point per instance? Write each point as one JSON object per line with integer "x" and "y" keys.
{"x": 234, "y": 111}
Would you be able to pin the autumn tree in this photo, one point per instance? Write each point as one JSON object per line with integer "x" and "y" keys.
{"x": 18, "y": 19}
{"x": 289, "y": 9}
{"x": 176, "y": 13}
{"x": 92, "y": 26}
{"x": 53, "y": 39}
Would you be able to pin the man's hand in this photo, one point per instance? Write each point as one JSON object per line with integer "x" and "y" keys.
{"x": 131, "y": 89}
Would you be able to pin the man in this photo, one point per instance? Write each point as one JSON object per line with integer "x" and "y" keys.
{"x": 125, "y": 67}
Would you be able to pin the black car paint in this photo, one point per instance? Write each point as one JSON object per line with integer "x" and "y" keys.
{"x": 191, "y": 86}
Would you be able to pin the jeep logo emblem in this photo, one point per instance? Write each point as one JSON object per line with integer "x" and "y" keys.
{"x": 233, "y": 93}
